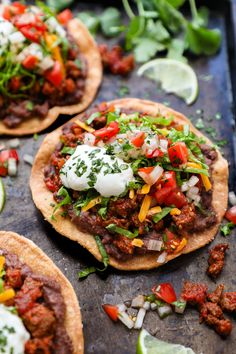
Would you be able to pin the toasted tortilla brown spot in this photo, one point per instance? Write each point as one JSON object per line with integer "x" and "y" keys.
{"x": 43, "y": 197}
{"x": 37, "y": 260}
{"x": 89, "y": 50}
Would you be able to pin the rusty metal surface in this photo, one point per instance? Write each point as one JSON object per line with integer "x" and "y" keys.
{"x": 101, "y": 335}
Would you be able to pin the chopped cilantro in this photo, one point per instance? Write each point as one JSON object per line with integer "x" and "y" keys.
{"x": 35, "y": 137}
{"x": 121, "y": 231}
{"x": 92, "y": 117}
{"x": 218, "y": 116}
{"x": 66, "y": 200}
{"x": 29, "y": 106}
{"x": 227, "y": 228}
{"x": 159, "y": 216}
{"x": 199, "y": 124}
{"x": 123, "y": 91}
{"x": 67, "y": 150}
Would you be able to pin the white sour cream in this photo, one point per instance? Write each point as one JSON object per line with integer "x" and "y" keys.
{"x": 92, "y": 167}
{"x": 13, "y": 333}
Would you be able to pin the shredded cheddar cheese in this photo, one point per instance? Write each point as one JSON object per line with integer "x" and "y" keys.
{"x": 145, "y": 189}
{"x": 175, "y": 211}
{"x": 154, "y": 210}
{"x": 84, "y": 126}
{"x": 144, "y": 208}
{"x": 92, "y": 203}
{"x": 131, "y": 194}
{"x": 164, "y": 131}
{"x": 137, "y": 242}
{"x": 2, "y": 261}
{"x": 51, "y": 39}
{"x": 205, "y": 179}
{"x": 7, "y": 295}
{"x": 182, "y": 244}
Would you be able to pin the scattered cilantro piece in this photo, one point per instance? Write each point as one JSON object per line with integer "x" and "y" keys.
{"x": 227, "y": 228}
{"x": 121, "y": 231}
{"x": 105, "y": 259}
{"x": 67, "y": 199}
{"x": 35, "y": 137}
{"x": 29, "y": 106}
{"x": 110, "y": 21}
{"x": 218, "y": 116}
{"x": 92, "y": 117}
{"x": 199, "y": 124}
{"x": 157, "y": 217}
{"x": 123, "y": 91}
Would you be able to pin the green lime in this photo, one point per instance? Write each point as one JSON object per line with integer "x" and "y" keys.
{"x": 2, "y": 195}
{"x": 148, "y": 344}
{"x": 173, "y": 76}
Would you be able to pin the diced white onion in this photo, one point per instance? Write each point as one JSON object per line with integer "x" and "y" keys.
{"x": 138, "y": 301}
{"x": 193, "y": 191}
{"x": 121, "y": 307}
{"x": 28, "y": 159}
{"x": 89, "y": 139}
{"x": 181, "y": 309}
{"x": 232, "y": 198}
{"x": 146, "y": 305}
{"x": 193, "y": 181}
{"x": 140, "y": 318}
{"x": 153, "y": 177}
{"x": 184, "y": 187}
{"x": 16, "y": 38}
{"x": 124, "y": 318}
{"x": 46, "y": 63}
{"x": 164, "y": 145}
{"x": 12, "y": 167}
{"x": 2, "y": 146}
{"x": 164, "y": 310}
{"x": 26, "y": 19}
{"x": 154, "y": 245}
{"x": 162, "y": 258}
{"x": 14, "y": 143}
{"x": 100, "y": 143}
{"x": 121, "y": 136}
{"x": 153, "y": 306}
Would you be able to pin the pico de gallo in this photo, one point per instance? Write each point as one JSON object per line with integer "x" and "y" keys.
{"x": 142, "y": 183}
{"x": 40, "y": 66}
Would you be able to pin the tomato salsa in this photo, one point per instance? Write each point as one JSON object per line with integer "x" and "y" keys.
{"x": 142, "y": 183}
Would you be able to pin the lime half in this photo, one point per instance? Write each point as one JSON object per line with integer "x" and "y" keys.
{"x": 148, "y": 344}
{"x": 173, "y": 76}
{"x": 2, "y": 195}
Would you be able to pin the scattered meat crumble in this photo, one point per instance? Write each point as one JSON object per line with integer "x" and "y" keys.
{"x": 216, "y": 259}
{"x": 114, "y": 60}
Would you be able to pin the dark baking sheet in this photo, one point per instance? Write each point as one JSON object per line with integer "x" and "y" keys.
{"x": 20, "y": 215}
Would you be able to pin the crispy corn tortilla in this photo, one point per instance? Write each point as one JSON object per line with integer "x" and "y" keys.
{"x": 43, "y": 197}
{"x": 90, "y": 52}
{"x": 32, "y": 255}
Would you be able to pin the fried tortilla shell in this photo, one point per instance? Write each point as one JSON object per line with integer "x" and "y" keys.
{"x": 43, "y": 197}
{"x": 89, "y": 50}
{"x": 40, "y": 264}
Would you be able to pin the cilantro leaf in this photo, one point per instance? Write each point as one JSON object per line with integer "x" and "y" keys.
{"x": 227, "y": 228}
{"x": 202, "y": 40}
{"x": 146, "y": 48}
{"x": 110, "y": 21}
{"x": 90, "y": 20}
{"x": 58, "y": 5}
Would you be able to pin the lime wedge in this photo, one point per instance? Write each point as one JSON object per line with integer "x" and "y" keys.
{"x": 148, "y": 344}
{"x": 2, "y": 195}
{"x": 173, "y": 76}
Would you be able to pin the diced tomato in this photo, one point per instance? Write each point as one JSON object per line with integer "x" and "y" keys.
{"x": 30, "y": 62}
{"x": 231, "y": 214}
{"x": 7, "y": 13}
{"x": 112, "y": 311}
{"x": 176, "y": 198}
{"x": 4, "y": 156}
{"x": 169, "y": 179}
{"x": 65, "y": 16}
{"x": 172, "y": 241}
{"x": 161, "y": 194}
{"x": 178, "y": 153}
{"x": 31, "y": 33}
{"x": 165, "y": 292}
{"x": 15, "y": 83}
{"x": 18, "y": 8}
{"x": 50, "y": 185}
{"x": 154, "y": 153}
{"x": 107, "y": 132}
{"x": 13, "y": 154}
{"x": 138, "y": 140}
{"x": 55, "y": 75}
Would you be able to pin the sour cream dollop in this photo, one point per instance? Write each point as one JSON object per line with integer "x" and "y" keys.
{"x": 13, "y": 333}
{"x": 91, "y": 167}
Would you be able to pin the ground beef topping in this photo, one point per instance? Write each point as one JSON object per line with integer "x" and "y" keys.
{"x": 216, "y": 259}
{"x": 40, "y": 305}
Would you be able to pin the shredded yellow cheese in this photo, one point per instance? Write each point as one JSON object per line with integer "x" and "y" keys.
{"x": 145, "y": 189}
{"x": 7, "y": 295}
{"x": 137, "y": 242}
{"x": 2, "y": 261}
{"x": 84, "y": 126}
{"x": 51, "y": 39}
{"x": 163, "y": 131}
{"x": 205, "y": 179}
{"x": 91, "y": 204}
{"x": 175, "y": 211}
{"x": 182, "y": 244}
{"x": 131, "y": 194}
{"x": 144, "y": 208}
{"x": 154, "y": 210}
